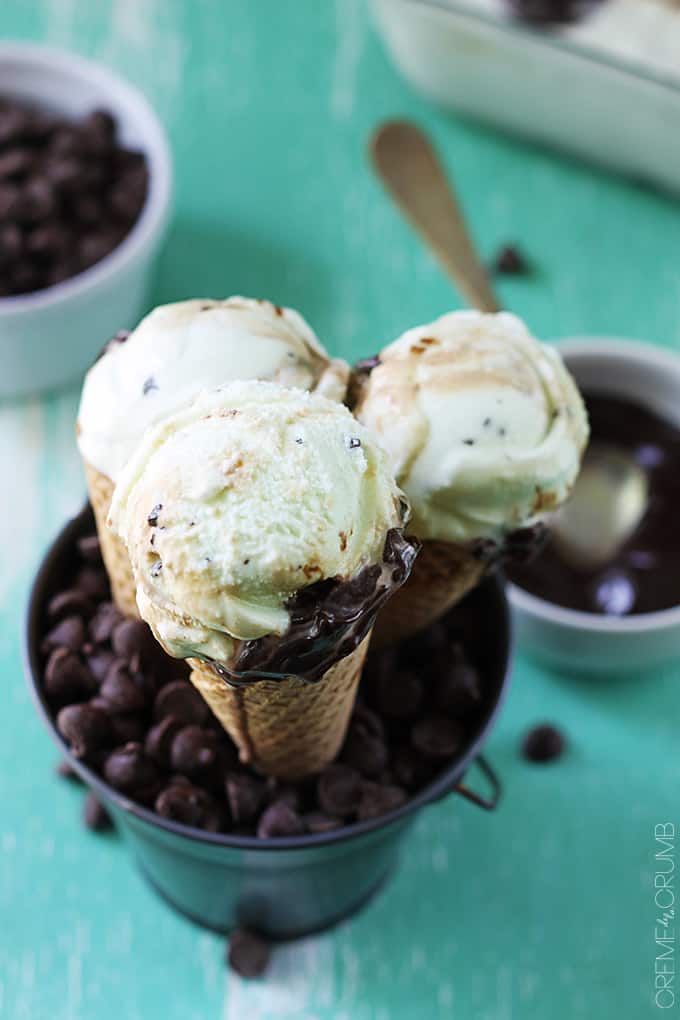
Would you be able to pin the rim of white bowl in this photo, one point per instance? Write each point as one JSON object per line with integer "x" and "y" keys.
{"x": 46, "y": 59}
{"x": 632, "y": 351}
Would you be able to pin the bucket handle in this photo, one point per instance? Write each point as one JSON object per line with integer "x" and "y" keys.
{"x": 489, "y": 803}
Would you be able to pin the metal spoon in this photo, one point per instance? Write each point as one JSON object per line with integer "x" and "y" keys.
{"x": 611, "y": 493}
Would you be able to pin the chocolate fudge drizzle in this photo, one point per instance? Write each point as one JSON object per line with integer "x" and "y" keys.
{"x": 328, "y": 620}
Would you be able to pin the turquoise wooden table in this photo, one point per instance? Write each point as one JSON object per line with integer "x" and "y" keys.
{"x": 545, "y": 909}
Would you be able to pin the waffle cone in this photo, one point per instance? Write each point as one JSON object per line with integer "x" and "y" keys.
{"x": 287, "y": 728}
{"x": 114, "y": 553}
{"x": 442, "y": 575}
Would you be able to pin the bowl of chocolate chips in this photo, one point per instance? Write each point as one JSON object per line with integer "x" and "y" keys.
{"x": 85, "y": 188}
{"x": 223, "y": 844}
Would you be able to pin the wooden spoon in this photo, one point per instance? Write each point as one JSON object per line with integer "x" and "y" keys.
{"x": 408, "y": 167}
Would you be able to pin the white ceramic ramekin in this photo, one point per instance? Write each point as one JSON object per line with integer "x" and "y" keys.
{"x": 50, "y": 337}
{"x": 587, "y": 642}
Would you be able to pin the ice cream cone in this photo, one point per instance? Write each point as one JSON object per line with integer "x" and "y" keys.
{"x": 114, "y": 553}
{"x": 442, "y": 575}
{"x": 288, "y": 728}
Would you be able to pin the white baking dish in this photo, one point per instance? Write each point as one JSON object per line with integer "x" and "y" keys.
{"x": 618, "y": 110}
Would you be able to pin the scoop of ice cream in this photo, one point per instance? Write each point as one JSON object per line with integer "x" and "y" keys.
{"x": 483, "y": 425}
{"x": 179, "y": 350}
{"x": 240, "y": 500}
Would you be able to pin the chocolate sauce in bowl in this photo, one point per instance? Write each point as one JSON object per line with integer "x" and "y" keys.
{"x": 328, "y": 620}
{"x": 644, "y": 575}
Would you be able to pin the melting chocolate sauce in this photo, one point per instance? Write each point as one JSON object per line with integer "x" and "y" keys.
{"x": 328, "y": 620}
{"x": 644, "y": 575}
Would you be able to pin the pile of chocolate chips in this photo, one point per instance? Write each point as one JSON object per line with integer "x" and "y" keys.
{"x": 69, "y": 194}
{"x": 129, "y": 711}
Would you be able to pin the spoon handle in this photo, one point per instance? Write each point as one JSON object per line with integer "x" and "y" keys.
{"x": 408, "y": 166}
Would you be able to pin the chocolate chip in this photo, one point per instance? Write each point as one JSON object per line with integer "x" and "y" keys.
{"x": 338, "y": 790}
{"x": 66, "y": 771}
{"x": 248, "y": 954}
{"x": 93, "y": 582}
{"x": 99, "y": 662}
{"x": 95, "y": 815}
{"x": 509, "y": 260}
{"x": 158, "y": 743}
{"x": 68, "y": 603}
{"x": 279, "y": 820}
{"x": 189, "y": 805}
{"x": 411, "y": 769}
{"x": 90, "y": 550}
{"x": 68, "y": 633}
{"x": 131, "y": 771}
{"x": 152, "y": 517}
{"x": 543, "y": 743}
{"x": 457, "y": 691}
{"x": 149, "y": 385}
{"x": 126, "y": 727}
{"x": 317, "y": 822}
{"x": 181, "y": 699}
{"x": 364, "y": 750}
{"x": 193, "y": 750}
{"x": 245, "y": 795}
{"x": 131, "y": 638}
{"x": 85, "y": 727}
{"x": 399, "y": 694}
{"x": 104, "y": 622}
{"x": 437, "y": 737}
{"x": 284, "y": 793}
{"x": 120, "y": 690}
{"x": 66, "y": 678}
{"x": 16, "y": 162}
{"x": 377, "y": 799}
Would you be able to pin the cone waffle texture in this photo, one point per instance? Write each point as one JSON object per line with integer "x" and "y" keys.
{"x": 114, "y": 553}
{"x": 442, "y": 575}
{"x": 288, "y": 728}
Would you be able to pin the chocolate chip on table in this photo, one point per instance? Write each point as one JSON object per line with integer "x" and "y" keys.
{"x": 181, "y": 699}
{"x": 130, "y": 770}
{"x": 279, "y": 820}
{"x": 247, "y": 954}
{"x": 510, "y": 261}
{"x": 95, "y": 815}
{"x": 158, "y": 742}
{"x": 437, "y": 737}
{"x": 66, "y": 678}
{"x": 86, "y": 728}
{"x": 190, "y": 805}
{"x": 377, "y": 799}
{"x": 68, "y": 633}
{"x": 245, "y": 795}
{"x": 543, "y": 743}
{"x": 338, "y": 790}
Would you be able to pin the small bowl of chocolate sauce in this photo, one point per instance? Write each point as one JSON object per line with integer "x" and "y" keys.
{"x": 623, "y": 613}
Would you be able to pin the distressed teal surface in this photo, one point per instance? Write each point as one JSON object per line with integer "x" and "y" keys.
{"x": 543, "y": 910}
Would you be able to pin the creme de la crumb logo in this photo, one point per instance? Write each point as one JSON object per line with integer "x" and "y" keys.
{"x": 664, "y": 905}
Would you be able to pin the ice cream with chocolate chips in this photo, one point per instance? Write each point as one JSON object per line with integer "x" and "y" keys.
{"x": 484, "y": 428}
{"x": 175, "y": 352}
{"x": 264, "y": 529}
